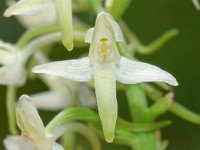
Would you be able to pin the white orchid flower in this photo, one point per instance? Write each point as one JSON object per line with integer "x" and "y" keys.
{"x": 63, "y": 9}
{"x": 33, "y": 134}
{"x": 105, "y": 65}
{"x": 63, "y": 93}
{"x": 13, "y": 60}
{"x": 12, "y": 71}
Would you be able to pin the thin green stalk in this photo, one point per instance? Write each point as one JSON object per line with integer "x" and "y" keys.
{"x": 68, "y": 141}
{"x": 81, "y": 129}
{"x": 161, "y": 106}
{"x": 73, "y": 114}
{"x": 35, "y": 32}
{"x": 158, "y": 43}
{"x": 176, "y": 108}
{"x": 136, "y": 45}
{"x": 10, "y": 102}
{"x": 185, "y": 113}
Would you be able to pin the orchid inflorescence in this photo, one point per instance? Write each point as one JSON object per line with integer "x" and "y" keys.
{"x": 70, "y": 82}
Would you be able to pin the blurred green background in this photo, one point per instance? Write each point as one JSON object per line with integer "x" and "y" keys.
{"x": 180, "y": 56}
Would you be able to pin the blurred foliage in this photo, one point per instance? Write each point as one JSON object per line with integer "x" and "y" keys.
{"x": 180, "y": 56}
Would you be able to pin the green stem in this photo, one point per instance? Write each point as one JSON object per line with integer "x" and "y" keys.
{"x": 136, "y": 45}
{"x": 161, "y": 106}
{"x": 185, "y": 113}
{"x": 37, "y": 43}
{"x": 138, "y": 106}
{"x": 35, "y": 32}
{"x": 10, "y": 102}
{"x": 130, "y": 36}
{"x": 68, "y": 141}
{"x": 73, "y": 114}
{"x": 176, "y": 108}
{"x": 137, "y": 103}
{"x": 158, "y": 43}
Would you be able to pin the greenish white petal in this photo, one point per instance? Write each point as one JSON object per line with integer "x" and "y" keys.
{"x": 133, "y": 72}
{"x": 12, "y": 70}
{"x": 105, "y": 89}
{"x": 34, "y": 135}
{"x": 29, "y": 7}
{"x": 23, "y": 143}
{"x": 89, "y": 35}
{"x": 52, "y": 100}
{"x": 57, "y": 146}
{"x": 76, "y": 70}
{"x": 85, "y": 96}
{"x": 12, "y": 74}
{"x": 18, "y": 143}
{"x": 28, "y": 117}
{"x": 116, "y": 28}
{"x": 47, "y": 17}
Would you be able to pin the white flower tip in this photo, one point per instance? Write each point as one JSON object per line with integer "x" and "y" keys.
{"x": 36, "y": 69}
{"x": 171, "y": 80}
{"x": 12, "y": 10}
{"x": 109, "y": 137}
{"x": 89, "y": 35}
{"x": 175, "y": 83}
{"x": 116, "y": 28}
{"x": 7, "y": 13}
{"x": 24, "y": 98}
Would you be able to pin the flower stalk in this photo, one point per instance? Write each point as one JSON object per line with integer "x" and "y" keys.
{"x": 10, "y": 103}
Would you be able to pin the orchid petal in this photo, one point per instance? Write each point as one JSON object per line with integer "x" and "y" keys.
{"x": 4, "y": 56}
{"x": 105, "y": 88}
{"x": 132, "y": 72}
{"x": 18, "y": 143}
{"x": 28, "y": 117}
{"x": 76, "y": 70}
{"x": 6, "y": 46}
{"x": 89, "y": 35}
{"x": 86, "y": 96}
{"x": 52, "y": 100}
{"x": 12, "y": 74}
{"x": 47, "y": 17}
{"x": 31, "y": 125}
{"x": 116, "y": 28}
{"x": 29, "y": 7}
{"x": 57, "y": 146}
